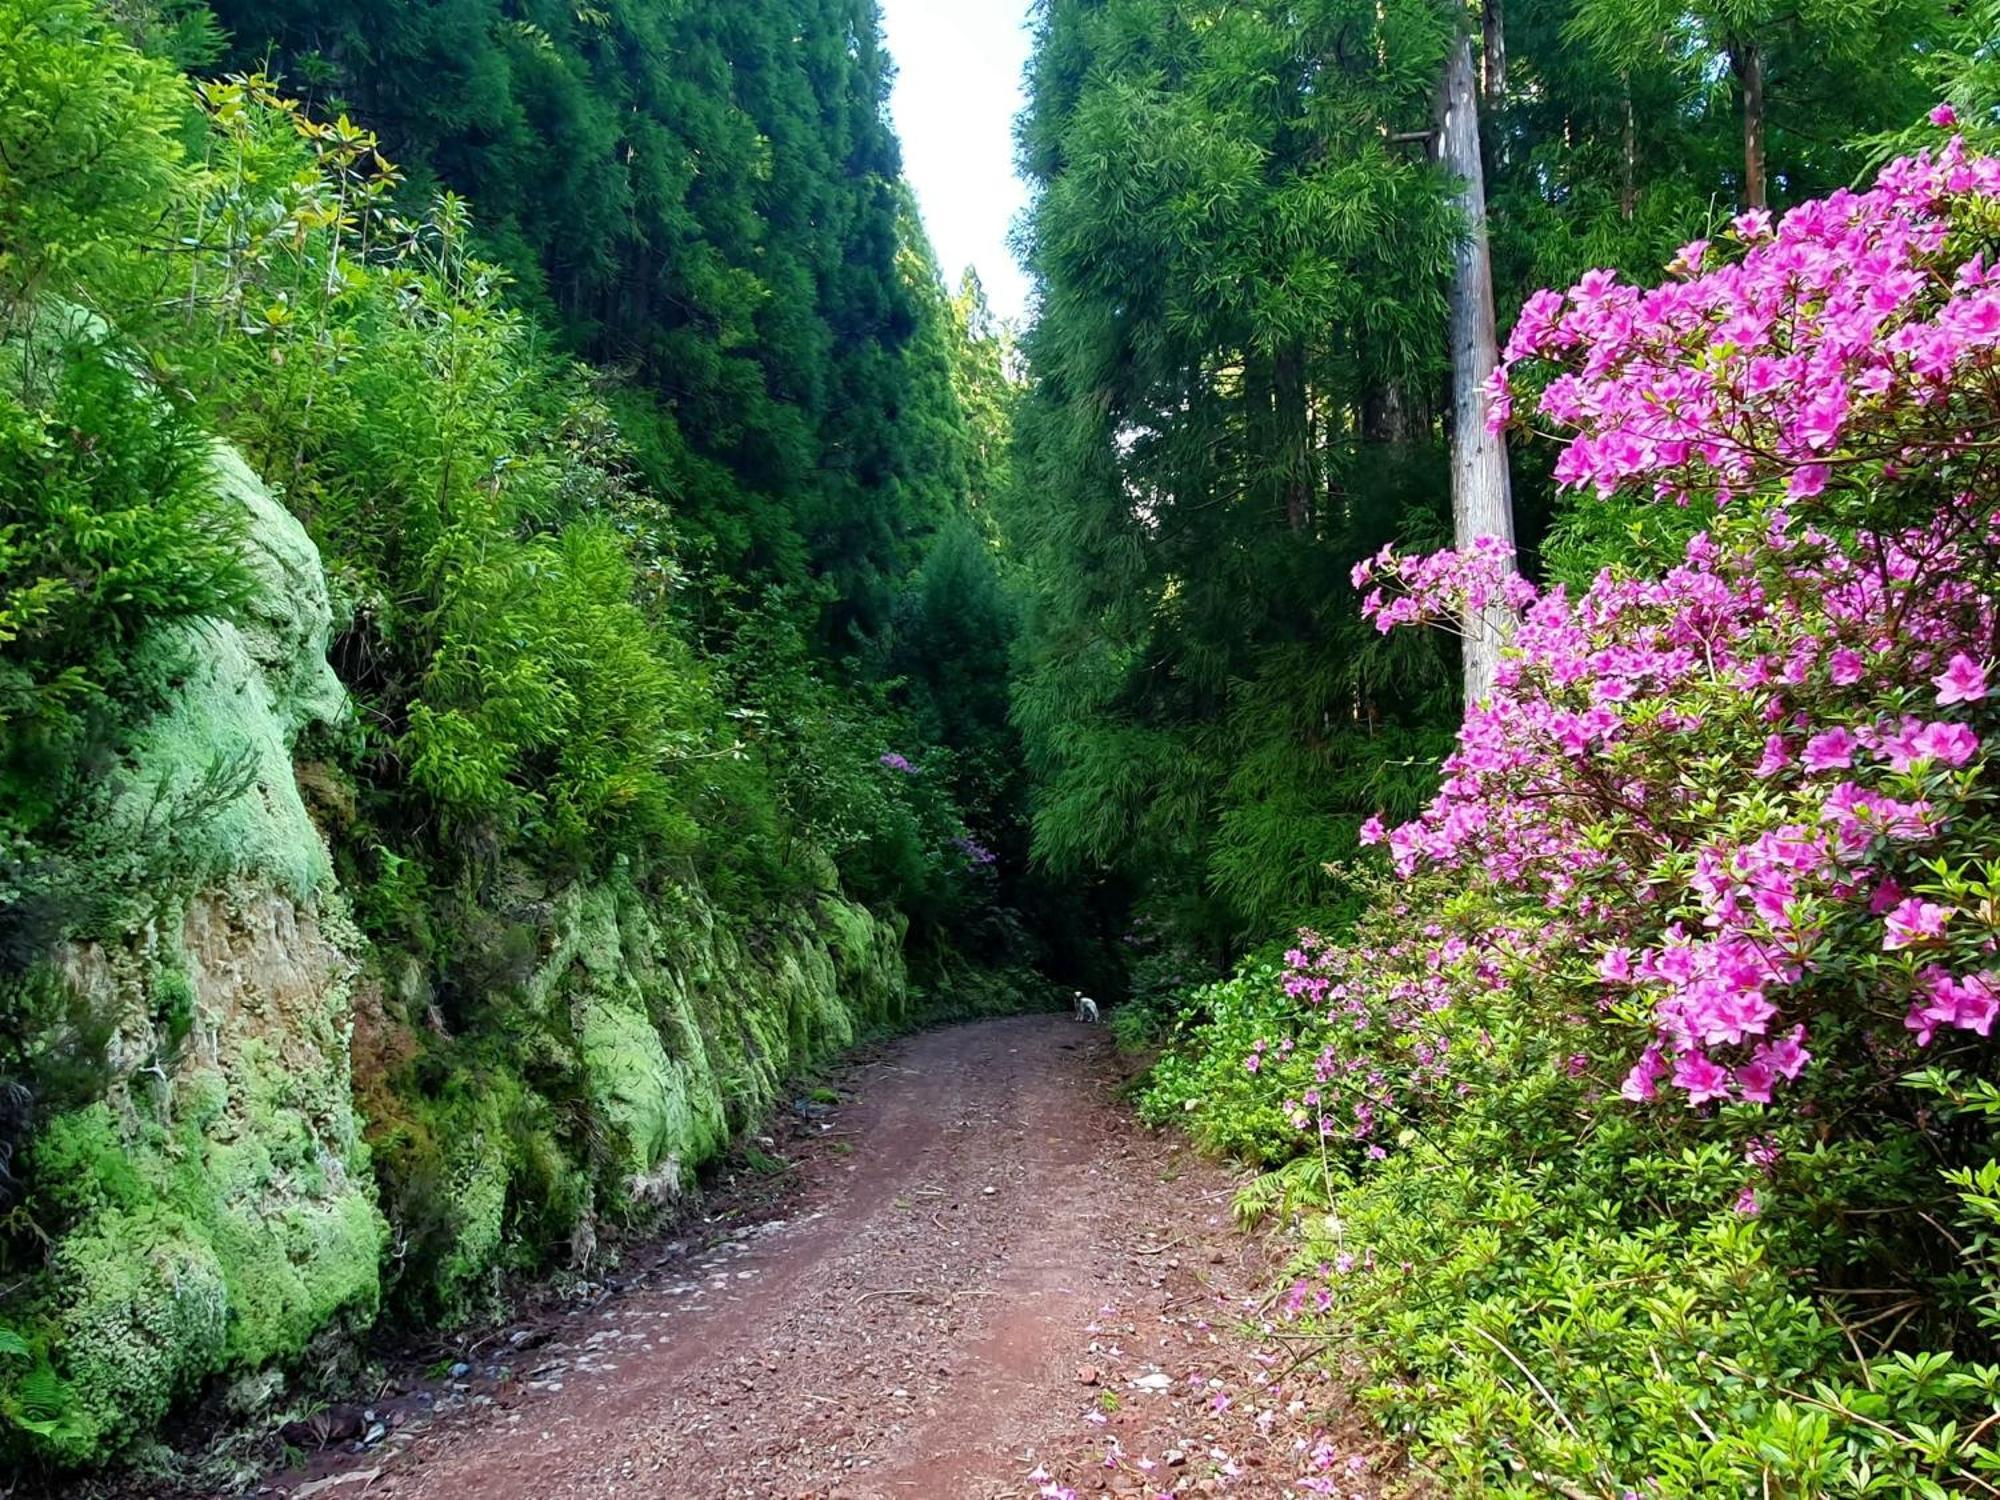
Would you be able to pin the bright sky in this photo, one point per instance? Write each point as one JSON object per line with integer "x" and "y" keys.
{"x": 958, "y": 88}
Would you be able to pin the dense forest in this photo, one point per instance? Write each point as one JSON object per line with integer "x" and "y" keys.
{"x": 533, "y": 611}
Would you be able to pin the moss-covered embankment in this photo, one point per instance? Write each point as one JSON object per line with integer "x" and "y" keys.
{"x": 285, "y": 1134}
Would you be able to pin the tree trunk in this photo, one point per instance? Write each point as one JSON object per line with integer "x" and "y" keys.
{"x": 1263, "y": 483}
{"x": 1493, "y": 26}
{"x": 1628, "y": 182}
{"x": 1389, "y": 416}
{"x": 1481, "y": 502}
{"x": 1749, "y": 59}
{"x": 1294, "y": 418}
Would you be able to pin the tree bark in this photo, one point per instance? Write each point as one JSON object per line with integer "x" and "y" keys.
{"x": 1263, "y": 481}
{"x": 1749, "y": 60}
{"x": 1388, "y": 415}
{"x": 1493, "y": 27}
{"x": 1294, "y": 417}
{"x": 1628, "y": 182}
{"x": 1481, "y": 499}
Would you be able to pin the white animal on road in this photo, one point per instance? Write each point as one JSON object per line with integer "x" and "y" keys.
{"x": 1086, "y": 1008}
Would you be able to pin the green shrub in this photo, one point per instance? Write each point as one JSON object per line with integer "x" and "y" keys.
{"x": 1202, "y": 1082}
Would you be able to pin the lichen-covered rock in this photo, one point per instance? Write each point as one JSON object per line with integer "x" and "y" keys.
{"x": 217, "y": 1205}
{"x": 145, "y": 1310}
{"x": 213, "y": 771}
{"x": 685, "y": 1032}
{"x": 678, "y": 1028}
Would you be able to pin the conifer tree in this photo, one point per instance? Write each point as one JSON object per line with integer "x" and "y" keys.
{"x": 1243, "y": 255}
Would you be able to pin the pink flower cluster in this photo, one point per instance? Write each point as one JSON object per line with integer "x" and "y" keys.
{"x": 1738, "y": 784}
{"x": 1431, "y": 590}
{"x": 1387, "y": 1013}
{"x": 1779, "y": 365}
{"x": 1592, "y": 781}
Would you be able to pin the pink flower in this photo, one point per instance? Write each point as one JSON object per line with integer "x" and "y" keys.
{"x": 1806, "y": 481}
{"x": 1691, "y": 258}
{"x": 1913, "y": 921}
{"x": 1372, "y": 832}
{"x": 1968, "y": 1004}
{"x": 1703, "y": 1078}
{"x": 1977, "y": 1003}
{"x": 1947, "y": 744}
{"x": 1787, "y": 1054}
{"x": 1746, "y": 1203}
{"x": 1832, "y": 750}
{"x": 1846, "y": 666}
{"x": 1922, "y": 1022}
{"x": 1642, "y": 1084}
{"x": 1944, "y": 117}
{"x": 1756, "y": 1080}
{"x": 1964, "y": 681}
{"x": 1753, "y": 225}
{"x": 1616, "y": 966}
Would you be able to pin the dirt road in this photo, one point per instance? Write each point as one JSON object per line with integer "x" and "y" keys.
{"x": 990, "y": 1282}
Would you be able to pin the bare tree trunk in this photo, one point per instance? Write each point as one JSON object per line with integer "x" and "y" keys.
{"x": 1481, "y": 501}
{"x": 1294, "y": 418}
{"x": 1749, "y": 60}
{"x": 1628, "y": 183}
{"x": 1493, "y": 26}
{"x": 1264, "y": 483}
{"x": 1389, "y": 416}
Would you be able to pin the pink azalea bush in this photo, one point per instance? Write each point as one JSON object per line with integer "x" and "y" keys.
{"x": 1645, "y": 1098}
{"x": 1734, "y": 777}
{"x": 1736, "y": 783}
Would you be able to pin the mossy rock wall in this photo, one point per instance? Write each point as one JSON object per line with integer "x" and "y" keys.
{"x": 675, "y": 1026}
{"x": 215, "y": 1207}
{"x": 219, "y": 1206}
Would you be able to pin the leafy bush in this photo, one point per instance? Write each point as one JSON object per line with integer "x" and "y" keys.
{"x": 109, "y": 528}
{"x": 1222, "y": 1077}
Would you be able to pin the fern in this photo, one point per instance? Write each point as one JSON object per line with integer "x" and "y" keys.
{"x": 1301, "y": 1185}
{"x": 41, "y": 1402}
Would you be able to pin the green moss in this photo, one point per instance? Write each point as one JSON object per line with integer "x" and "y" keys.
{"x": 224, "y": 1242}
{"x": 476, "y": 1195}
{"x": 215, "y": 1210}
{"x": 145, "y": 1310}
{"x": 211, "y": 774}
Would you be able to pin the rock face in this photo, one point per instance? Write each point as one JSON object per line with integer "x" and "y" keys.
{"x": 277, "y": 1146}
{"x": 219, "y": 1201}
{"x": 674, "y": 1032}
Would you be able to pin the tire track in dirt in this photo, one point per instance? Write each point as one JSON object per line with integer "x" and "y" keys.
{"x": 992, "y": 1280}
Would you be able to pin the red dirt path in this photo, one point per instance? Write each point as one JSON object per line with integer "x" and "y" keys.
{"x": 986, "y": 1273}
